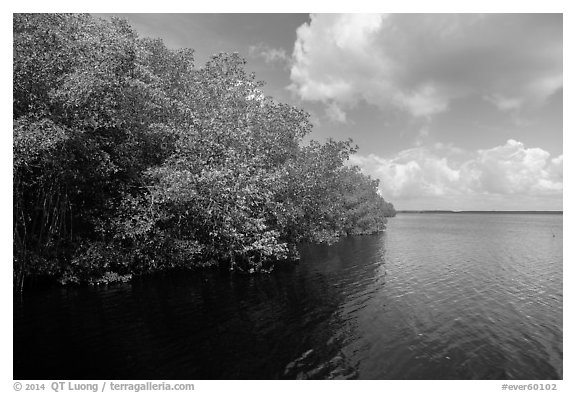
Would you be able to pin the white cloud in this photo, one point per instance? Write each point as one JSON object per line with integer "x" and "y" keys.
{"x": 514, "y": 169}
{"x": 501, "y": 174}
{"x": 421, "y": 63}
{"x": 505, "y": 103}
{"x": 333, "y": 59}
{"x": 334, "y": 113}
{"x": 270, "y": 55}
{"x": 423, "y": 102}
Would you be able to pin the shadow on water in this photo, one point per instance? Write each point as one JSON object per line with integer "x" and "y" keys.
{"x": 208, "y": 325}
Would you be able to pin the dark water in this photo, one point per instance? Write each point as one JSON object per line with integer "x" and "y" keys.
{"x": 438, "y": 296}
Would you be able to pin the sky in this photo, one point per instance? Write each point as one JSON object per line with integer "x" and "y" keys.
{"x": 450, "y": 111}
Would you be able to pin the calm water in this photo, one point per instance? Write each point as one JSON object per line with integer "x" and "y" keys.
{"x": 438, "y": 296}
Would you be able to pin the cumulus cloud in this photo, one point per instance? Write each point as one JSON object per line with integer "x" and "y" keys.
{"x": 421, "y": 63}
{"x": 331, "y": 55}
{"x": 504, "y": 171}
{"x": 514, "y": 169}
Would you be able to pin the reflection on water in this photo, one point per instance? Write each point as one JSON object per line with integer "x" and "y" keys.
{"x": 436, "y": 297}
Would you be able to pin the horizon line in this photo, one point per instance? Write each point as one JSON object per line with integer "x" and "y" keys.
{"x": 475, "y": 211}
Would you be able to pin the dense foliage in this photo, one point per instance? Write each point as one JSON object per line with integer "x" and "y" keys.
{"x": 127, "y": 159}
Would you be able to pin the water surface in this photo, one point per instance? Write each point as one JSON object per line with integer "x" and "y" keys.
{"x": 438, "y": 296}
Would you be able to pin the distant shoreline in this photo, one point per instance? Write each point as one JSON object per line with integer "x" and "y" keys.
{"x": 481, "y": 211}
